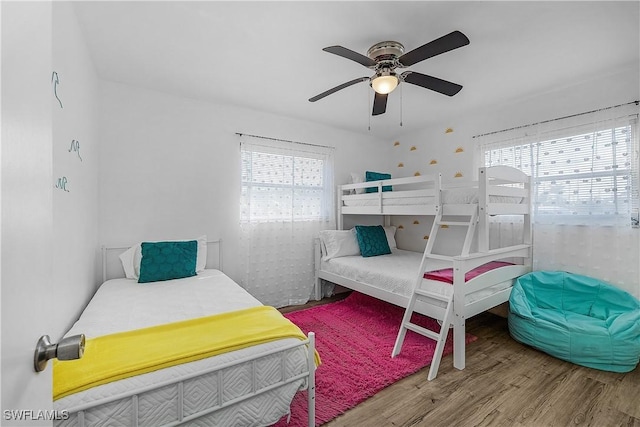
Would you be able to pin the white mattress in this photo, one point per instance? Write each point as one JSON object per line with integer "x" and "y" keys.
{"x": 469, "y": 195}
{"x": 396, "y": 273}
{"x": 399, "y": 201}
{"x": 454, "y": 196}
{"x": 123, "y": 304}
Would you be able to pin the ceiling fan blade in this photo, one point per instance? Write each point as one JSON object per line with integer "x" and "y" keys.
{"x": 349, "y": 54}
{"x": 379, "y": 104}
{"x": 444, "y": 44}
{"x": 337, "y": 88}
{"x": 430, "y": 82}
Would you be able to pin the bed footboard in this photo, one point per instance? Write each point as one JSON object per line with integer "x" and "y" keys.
{"x": 204, "y": 396}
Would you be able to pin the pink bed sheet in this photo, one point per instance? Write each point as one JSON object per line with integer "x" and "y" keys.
{"x": 446, "y": 275}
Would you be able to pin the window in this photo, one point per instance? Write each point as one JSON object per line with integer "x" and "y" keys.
{"x": 285, "y": 182}
{"x": 582, "y": 174}
{"x": 286, "y": 200}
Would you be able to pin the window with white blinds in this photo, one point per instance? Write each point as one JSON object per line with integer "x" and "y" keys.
{"x": 583, "y": 174}
{"x": 285, "y": 182}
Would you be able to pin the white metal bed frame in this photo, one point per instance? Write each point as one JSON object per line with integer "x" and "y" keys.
{"x": 495, "y": 181}
{"x": 76, "y": 415}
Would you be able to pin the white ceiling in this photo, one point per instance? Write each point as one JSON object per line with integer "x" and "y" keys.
{"x": 268, "y": 55}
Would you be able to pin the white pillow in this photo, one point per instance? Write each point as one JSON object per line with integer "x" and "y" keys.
{"x": 128, "y": 261}
{"x": 357, "y": 178}
{"x": 340, "y": 243}
{"x": 131, "y": 257}
{"x": 390, "y": 231}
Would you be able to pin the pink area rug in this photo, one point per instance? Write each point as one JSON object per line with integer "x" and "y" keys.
{"x": 355, "y": 337}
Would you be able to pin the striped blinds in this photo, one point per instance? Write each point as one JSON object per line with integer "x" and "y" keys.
{"x": 584, "y": 173}
{"x": 285, "y": 181}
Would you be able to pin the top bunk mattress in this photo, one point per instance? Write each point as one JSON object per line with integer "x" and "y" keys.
{"x": 452, "y": 196}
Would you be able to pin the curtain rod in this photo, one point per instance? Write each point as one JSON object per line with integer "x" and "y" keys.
{"x": 284, "y": 140}
{"x": 553, "y": 120}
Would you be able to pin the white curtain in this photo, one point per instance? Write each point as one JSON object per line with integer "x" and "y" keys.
{"x": 287, "y": 198}
{"x": 585, "y": 171}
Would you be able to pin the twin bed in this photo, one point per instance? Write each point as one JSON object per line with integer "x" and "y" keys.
{"x": 479, "y": 278}
{"x": 251, "y": 384}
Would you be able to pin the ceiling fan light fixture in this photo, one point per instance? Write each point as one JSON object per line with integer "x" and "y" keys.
{"x": 387, "y": 56}
{"x": 385, "y": 82}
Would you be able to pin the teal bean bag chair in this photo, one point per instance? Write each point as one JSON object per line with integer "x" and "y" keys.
{"x": 576, "y": 318}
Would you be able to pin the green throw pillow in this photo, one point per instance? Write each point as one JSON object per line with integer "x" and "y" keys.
{"x": 377, "y": 176}
{"x": 372, "y": 240}
{"x": 167, "y": 260}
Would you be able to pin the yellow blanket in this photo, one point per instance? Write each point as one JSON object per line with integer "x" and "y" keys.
{"x": 113, "y": 357}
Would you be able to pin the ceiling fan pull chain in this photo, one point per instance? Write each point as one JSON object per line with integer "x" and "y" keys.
{"x": 401, "y": 105}
{"x": 367, "y": 110}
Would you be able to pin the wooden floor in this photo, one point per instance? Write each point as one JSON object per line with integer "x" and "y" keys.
{"x": 504, "y": 384}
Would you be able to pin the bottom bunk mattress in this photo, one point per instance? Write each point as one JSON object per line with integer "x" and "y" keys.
{"x": 226, "y": 383}
{"x": 396, "y": 273}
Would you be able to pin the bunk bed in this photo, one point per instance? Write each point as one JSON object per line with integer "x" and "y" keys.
{"x": 248, "y": 383}
{"x": 449, "y": 288}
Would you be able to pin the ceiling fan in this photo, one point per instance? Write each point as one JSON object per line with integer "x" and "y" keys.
{"x": 385, "y": 57}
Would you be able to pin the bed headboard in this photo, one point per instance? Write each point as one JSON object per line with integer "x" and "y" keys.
{"x": 112, "y": 267}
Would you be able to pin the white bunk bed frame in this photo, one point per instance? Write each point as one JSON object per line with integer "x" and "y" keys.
{"x": 428, "y": 188}
{"x": 76, "y": 415}
{"x": 494, "y": 183}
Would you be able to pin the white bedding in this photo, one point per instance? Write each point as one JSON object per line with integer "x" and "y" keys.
{"x": 453, "y": 196}
{"x": 469, "y": 195}
{"x": 123, "y": 304}
{"x": 395, "y": 273}
{"x": 399, "y": 201}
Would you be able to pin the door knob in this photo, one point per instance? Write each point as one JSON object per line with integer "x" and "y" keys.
{"x": 69, "y": 348}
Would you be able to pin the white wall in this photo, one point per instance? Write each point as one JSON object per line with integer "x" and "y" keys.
{"x": 454, "y": 152}
{"x": 170, "y": 166}
{"x": 75, "y": 207}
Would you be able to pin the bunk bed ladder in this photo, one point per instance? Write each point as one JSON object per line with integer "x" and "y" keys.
{"x": 421, "y": 295}
{"x": 439, "y": 223}
{"x": 439, "y": 336}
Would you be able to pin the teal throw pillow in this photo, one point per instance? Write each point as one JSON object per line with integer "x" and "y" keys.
{"x": 377, "y": 176}
{"x": 372, "y": 240}
{"x": 168, "y": 260}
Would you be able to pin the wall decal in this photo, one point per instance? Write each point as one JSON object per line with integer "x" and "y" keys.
{"x": 62, "y": 184}
{"x": 56, "y": 81}
{"x": 417, "y": 174}
{"x": 395, "y": 144}
{"x": 459, "y": 150}
{"x": 458, "y": 175}
{"x": 400, "y": 165}
{"x": 75, "y": 146}
{"x": 433, "y": 162}
{"x": 448, "y": 130}
{"x": 413, "y": 148}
